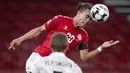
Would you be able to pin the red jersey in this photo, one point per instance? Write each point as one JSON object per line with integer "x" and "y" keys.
{"x": 63, "y": 24}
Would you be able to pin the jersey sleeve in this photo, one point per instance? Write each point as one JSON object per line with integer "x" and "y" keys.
{"x": 52, "y": 23}
{"x": 33, "y": 69}
{"x": 84, "y": 42}
{"x": 76, "y": 69}
{"x": 85, "y": 37}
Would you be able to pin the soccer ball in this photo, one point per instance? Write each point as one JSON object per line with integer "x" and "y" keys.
{"x": 99, "y": 13}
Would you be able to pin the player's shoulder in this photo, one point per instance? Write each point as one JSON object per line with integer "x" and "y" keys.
{"x": 75, "y": 66}
{"x": 62, "y": 17}
{"x": 84, "y": 31}
{"x": 70, "y": 61}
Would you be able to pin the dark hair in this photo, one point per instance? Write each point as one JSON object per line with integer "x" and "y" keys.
{"x": 59, "y": 42}
{"x": 83, "y": 6}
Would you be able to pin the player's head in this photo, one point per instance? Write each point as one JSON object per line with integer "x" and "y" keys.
{"x": 83, "y": 14}
{"x": 59, "y": 42}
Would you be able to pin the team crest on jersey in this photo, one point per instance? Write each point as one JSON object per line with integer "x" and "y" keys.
{"x": 79, "y": 37}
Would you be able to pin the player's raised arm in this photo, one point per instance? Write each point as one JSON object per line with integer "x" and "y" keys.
{"x": 31, "y": 34}
{"x": 85, "y": 55}
{"x": 49, "y": 25}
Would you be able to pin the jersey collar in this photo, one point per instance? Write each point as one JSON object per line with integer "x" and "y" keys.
{"x": 57, "y": 54}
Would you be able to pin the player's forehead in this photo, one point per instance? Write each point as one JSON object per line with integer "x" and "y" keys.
{"x": 86, "y": 12}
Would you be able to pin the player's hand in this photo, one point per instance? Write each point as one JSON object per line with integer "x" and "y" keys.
{"x": 15, "y": 43}
{"x": 109, "y": 43}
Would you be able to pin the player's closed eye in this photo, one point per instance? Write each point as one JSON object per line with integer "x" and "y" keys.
{"x": 87, "y": 16}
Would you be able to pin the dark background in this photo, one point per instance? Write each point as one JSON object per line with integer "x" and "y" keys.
{"x": 18, "y": 17}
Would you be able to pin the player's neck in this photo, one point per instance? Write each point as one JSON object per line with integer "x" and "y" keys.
{"x": 75, "y": 21}
{"x": 57, "y": 51}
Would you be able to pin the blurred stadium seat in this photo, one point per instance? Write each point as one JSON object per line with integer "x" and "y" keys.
{"x": 16, "y": 18}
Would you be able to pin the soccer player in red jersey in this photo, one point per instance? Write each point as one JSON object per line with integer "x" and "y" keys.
{"x": 72, "y": 27}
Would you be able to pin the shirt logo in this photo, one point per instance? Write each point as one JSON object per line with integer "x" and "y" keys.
{"x": 79, "y": 37}
{"x": 65, "y": 27}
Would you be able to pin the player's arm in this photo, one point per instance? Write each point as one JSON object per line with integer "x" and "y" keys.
{"x": 50, "y": 25}
{"x": 86, "y": 55}
{"x": 31, "y": 34}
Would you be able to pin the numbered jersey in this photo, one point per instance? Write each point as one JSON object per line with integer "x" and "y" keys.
{"x": 55, "y": 63}
{"x": 63, "y": 24}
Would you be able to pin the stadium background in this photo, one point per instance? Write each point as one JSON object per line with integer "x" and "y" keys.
{"x": 18, "y": 17}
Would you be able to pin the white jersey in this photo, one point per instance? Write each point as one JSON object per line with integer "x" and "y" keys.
{"x": 55, "y": 63}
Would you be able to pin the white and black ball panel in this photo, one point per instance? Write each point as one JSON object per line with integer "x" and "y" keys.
{"x": 99, "y": 13}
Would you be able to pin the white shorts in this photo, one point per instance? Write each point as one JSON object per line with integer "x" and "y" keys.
{"x": 31, "y": 60}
